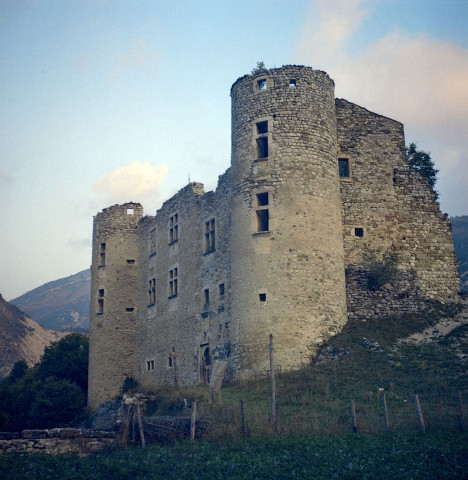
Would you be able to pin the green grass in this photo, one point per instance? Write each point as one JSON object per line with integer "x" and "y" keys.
{"x": 316, "y": 399}
{"x": 412, "y": 456}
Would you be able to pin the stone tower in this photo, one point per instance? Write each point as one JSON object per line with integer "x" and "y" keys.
{"x": 114, "y": 301}
{"x": 287, "y": 274}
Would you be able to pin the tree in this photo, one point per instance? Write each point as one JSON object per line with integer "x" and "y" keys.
{"x": 259, "y": 68}
{"x": 57, "y": 403}
{"x": 421, "y": 162}
{"x": 66, "y": 359}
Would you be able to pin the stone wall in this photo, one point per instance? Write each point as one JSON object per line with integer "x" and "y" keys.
{"x": 56, "y": 441}
{"x": 401, "y": 295}
{"x": 392, "y": 204}
{"x": 182, "y": 331}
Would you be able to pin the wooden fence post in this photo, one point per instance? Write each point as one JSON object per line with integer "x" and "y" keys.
{"x": 193, "y": 420}
{"x": 244, "y": 424}
{"x": 387, "y": 424}
{"x": 140, "y": 426}
{"x": 419, "y": 412}
{"x": 353, "y": 416}
{"x": 460, "y": 409}
{"x": 277, "y": 418}
{"x": 272, "y": 381}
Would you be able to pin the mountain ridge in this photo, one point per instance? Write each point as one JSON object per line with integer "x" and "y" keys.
{"x": 21, "y": 338}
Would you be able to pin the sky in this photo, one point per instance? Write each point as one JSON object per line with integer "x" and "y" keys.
{"x": 109, "y": 101}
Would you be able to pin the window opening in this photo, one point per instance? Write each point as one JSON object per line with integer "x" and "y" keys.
{"x": 170, "y": 361}
{"x": 262, "y": 138}
{"x": 262, "y": 215}
{"x": 130, "y": 309}
{"x": 262, "y": 220}
{"x": 262, "y": 297}
{"x": 262, "y": 199}
{"x": 262, "y": 147}
{"x": 358, "y": 232}
{"x": 102, "y": 254}
{"x": 262, "y": 127}
{"x": 150, "y": 365}
{"x": 343, "y": 166}
{"x": 152, "y": 291}
{"x": 173, "y": 283}
{"x": 174, "y": 228}
{"x": 130, "y": 261}
{"x": 292, "y": 82}
{"x": 210, "y": 235}
{"x": 262, "y": 84}
{"x": 100, "y": 303}
{"x": 130, "y": 211}
{"x": 221, "y": 290}
{"x": 207, "y": 297}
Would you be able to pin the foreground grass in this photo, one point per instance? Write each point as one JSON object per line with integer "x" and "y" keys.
{"x": 442, "y": 455}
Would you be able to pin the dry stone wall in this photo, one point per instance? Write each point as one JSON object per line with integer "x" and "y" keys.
{"x": 56, "y": 441}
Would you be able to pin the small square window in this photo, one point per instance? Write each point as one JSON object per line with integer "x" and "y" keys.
{"x": 358, "y": 232}
{"x": 262, "y": 84}
{"x": 292, "y": 83}
{"x": 262, "y": 297}
{"x": 130, "y": 211}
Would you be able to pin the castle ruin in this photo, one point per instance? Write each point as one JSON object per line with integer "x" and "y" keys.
{"x": 316, "y": 187}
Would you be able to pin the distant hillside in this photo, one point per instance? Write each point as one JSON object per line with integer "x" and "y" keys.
{"x": 59, "y": 305}
{"x": 21, "y": 338}
{"x": 460, "y": 240}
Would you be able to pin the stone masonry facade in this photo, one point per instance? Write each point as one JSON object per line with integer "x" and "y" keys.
{"x": 316, "y": 188}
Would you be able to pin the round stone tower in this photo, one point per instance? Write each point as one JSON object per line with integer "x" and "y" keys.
{"x": 113, "y": 312}
{"x": 287, "y": 274}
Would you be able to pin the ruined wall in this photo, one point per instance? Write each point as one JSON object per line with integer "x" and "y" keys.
{"x": 114, "y": 301}
{"x": 181, "y": 330}
{"x": 287, "y": 276}
{"x": 391, "y": 205}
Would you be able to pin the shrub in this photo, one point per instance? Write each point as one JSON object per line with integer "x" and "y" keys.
{"x": 382, "y": 271}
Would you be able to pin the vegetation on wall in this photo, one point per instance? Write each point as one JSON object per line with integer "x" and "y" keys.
{"x": 381, "y": 271}
{"x": 421, "y": 162}
{"x": 50, "y": 394}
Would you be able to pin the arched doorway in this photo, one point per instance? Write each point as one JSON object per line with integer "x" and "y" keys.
{"x": 205, "y": 365}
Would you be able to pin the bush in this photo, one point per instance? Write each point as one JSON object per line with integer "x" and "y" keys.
{"x": 382, "y": 271}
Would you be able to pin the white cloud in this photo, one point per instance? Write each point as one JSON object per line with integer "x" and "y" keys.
{"x": 139, "y": 182}
{"x": 418, "y": 80}
{"x": 338, "y": 21}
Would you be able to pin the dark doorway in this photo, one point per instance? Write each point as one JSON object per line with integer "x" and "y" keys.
{"x": 205, "y": 365}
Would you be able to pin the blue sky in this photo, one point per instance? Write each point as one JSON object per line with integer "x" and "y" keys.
{"x": 103, "y": 102}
